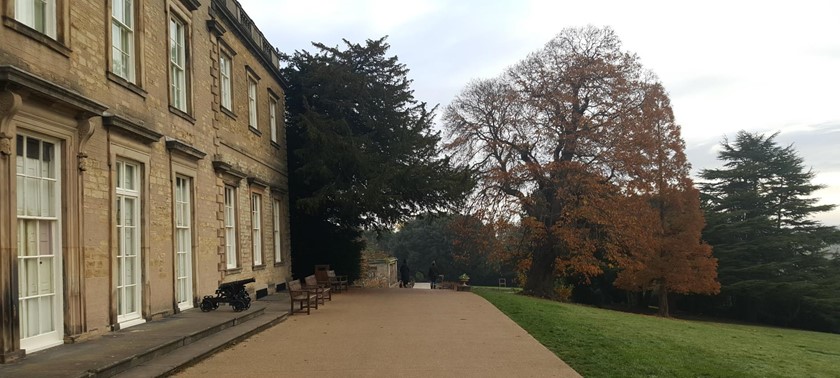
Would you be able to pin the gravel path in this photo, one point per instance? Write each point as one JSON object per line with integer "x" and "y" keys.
{"x": 391, "y": 333}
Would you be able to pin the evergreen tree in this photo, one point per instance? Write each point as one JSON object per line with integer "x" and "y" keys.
{"x": 771, "y": 252}
{"x": 362, "y": 152}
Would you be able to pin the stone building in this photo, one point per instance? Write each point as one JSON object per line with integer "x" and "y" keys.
{"x": 142, "y": 163}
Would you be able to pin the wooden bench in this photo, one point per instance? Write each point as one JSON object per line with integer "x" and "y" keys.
{"x": 305, "y": 298}
{"x": 322, "y": 291}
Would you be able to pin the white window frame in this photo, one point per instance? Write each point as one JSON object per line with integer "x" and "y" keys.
{"x": 124, "y": 192}
{"x": 230, "y": 227}
{"x": 178, "y": 63}
{"x": 272, "y": 117}
{"x": 39, "y": 15}
{"x": 122, "y": 32}
{"x": 278, "y": 250}
{"x": 225, "y": 83}
{"x": 252, "y": 103}
{"x": 183, "y": 199}
{"x": 256, "y": 225}
{"x": 39, "y": 194}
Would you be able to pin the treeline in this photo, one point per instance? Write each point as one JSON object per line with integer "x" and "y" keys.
{"x": 568, "y": 175}
{"x": 774, "y": 264}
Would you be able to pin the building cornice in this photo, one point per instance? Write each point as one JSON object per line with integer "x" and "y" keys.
{"x": 250, "y": 35}
{"x": 186, "y": 149}
{"x": 135, "y": 129}
{"x": 17, "y": 80}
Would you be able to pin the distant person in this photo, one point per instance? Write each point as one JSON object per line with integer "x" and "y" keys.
{"x": 404, "y": 274}
{"x": 433, "y": 275}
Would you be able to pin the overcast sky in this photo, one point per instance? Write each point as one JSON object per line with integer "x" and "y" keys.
{"x": 727, "y": 65}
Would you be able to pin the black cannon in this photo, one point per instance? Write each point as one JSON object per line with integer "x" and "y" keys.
{"x": 229, "y": 292}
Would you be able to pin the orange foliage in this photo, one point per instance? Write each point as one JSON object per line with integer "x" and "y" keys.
{"x": 578, "y": 143}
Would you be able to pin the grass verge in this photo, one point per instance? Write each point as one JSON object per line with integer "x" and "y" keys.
{"x": 605, "y": 343}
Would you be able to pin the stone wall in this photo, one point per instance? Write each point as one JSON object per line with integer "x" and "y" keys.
{"x": 211, "y": 146}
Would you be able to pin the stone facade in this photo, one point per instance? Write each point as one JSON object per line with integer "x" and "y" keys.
{"x": 133, "y": 177}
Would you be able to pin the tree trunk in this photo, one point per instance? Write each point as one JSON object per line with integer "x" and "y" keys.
{"x": 663, "y": 300}
{"x": 541, "y": 275}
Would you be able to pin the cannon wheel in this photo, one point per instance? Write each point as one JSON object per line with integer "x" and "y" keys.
{"x": 247, "y": 299}
{"x": 208, "y": 305}
{"x": 239, "y": 305}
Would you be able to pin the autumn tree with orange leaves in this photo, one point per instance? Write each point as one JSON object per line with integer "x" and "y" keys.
{"x": 569, "y": 142}
{"x": 675, "y": 260}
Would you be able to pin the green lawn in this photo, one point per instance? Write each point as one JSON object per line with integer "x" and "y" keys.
{"x": 604, "y": 343}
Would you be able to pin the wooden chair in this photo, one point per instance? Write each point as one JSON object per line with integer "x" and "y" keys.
{"x": 323, "y": 279}
{"x": 340, "y": 282}
{"x": 322, "y": 291}
{"x": 329, "y": 279}
{"x": 305, "y": 298}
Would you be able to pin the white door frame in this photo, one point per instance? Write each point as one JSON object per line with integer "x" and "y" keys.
{"x": 183, "y": 242}
{"x": 37, "y": 245}
{"x": 128, "y": 248}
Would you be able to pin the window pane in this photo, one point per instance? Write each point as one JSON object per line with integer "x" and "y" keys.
{"x": 33, "y": 148}
{"x": 120, "y": 267}
{"x": 33, "y": 207}
{"x": 173, "y": 33}
{"x": 45, "y": 275}
{"x": 19, "y": 145}
{"x": 21, "y": 194}
{"x": 48, "y": 161}
{"x": 27, "y": 238}
{"x": 32, "y": 318}
{"x": 31, "y": 267}
{"x": 116, "y": 43}
{"x": 252, "y": 103}
{"x": 32, "y": 238}
{"x": 125, "y": 45}
{"x": 130, "y": 305}
{"x": 118, "y": 9}
{"x": 129, "y": 212}
{"x": 50, "y": 198}
{"x": 120, "y": 173}
{"x": 130, "y": 241}
{"x": 224, "y": 67}
{"x": 119, "y": 211}
{"x": 130, "y": 177}
{"x": 40, "y": 14}
{"x": 273, "y": 120}
{"x": 45, "y": 198}
{"x": 130, "y": 276}
{"x": 128, "y": 14}
{"x": 182, "y": 264}
{"x": 25, "y": 12}
{"x": 121, "y": 301}
{"x": 45, "y": 237}
{"x": 46, "y": 314}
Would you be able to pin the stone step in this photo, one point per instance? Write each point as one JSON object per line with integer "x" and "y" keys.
{"x": 168, "y": 347}
{"x": 198, "y": 350}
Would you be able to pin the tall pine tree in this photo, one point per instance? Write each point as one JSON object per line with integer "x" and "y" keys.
{"x": 772, "y": 264}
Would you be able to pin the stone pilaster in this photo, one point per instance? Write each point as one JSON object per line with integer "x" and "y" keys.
{"x": 9, "y": 323}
